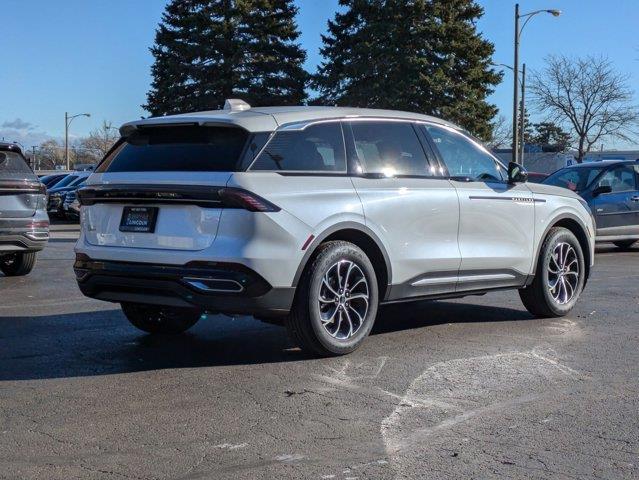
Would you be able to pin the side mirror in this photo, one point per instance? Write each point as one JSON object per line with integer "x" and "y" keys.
{"x": 517, "y": 173}
{"x": 601, "y": 189}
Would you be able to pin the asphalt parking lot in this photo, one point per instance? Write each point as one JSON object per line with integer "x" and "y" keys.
{"x": 472, "y": 388}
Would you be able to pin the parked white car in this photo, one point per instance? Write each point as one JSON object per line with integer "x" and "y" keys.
{"x": 314, "y": 216}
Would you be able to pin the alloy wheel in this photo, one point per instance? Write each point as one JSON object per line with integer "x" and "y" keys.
{"x": 563, "y": 273}
{"x": 343, "y": 299}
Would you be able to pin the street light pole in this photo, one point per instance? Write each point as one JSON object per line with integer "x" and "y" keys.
{"x": 66, "y": 140}
{"x": 516, "y": 87}
{"x": 67, "y": 121}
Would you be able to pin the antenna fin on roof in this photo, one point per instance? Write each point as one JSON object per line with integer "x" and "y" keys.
{"x": 236, "y": 105}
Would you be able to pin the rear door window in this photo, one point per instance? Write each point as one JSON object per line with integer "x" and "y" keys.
{"x": 619, "y": 179}
{"x": 390, "y": 148}
{"x": 317, "y": 148}
{"x": 182, "y": 149}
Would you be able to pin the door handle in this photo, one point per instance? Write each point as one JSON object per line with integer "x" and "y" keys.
{"x": 635, "y": 198}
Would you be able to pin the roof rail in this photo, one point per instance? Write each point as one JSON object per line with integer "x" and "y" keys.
{"x": 236, "y": 105}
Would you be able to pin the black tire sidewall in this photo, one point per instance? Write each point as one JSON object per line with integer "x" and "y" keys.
{"x": 560, "y": 236}
{"x": 328, "y": 258}
{"x": 22, "y": 265}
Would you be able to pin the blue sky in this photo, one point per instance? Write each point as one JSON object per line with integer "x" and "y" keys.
{"x": 92, "y": 55}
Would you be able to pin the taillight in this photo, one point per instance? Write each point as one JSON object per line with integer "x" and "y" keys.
{"x": 238, "y": 198}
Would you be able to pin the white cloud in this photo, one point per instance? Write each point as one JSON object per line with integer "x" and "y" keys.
{"x": 23, "y": 132}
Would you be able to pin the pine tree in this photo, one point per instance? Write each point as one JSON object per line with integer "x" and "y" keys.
{"x": 272, "y": 71}
{"x": 551, "y": 137}
{"x": 209, "y": 50}
{"x": 419, "y": 55}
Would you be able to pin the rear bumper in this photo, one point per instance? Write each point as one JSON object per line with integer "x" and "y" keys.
{"x": 24, "y": 234}
{"x": 213, "y": 286}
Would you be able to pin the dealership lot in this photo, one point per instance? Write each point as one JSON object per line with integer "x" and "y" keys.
{"x": 448, "y": 389}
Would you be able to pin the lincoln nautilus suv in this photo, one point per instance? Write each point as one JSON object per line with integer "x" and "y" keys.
{"x": 312, "y": 217}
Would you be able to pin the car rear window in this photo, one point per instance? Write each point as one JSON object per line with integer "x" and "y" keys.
{"x": 190, "y": 149}
{"x": 13, "y": 167}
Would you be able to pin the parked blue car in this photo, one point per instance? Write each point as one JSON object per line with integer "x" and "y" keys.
{"x": 611, "y": 189}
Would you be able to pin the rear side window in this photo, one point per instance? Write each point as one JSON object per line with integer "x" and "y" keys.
{"x": 318, "y": 148}
{"x": 390, "y": 148}
{"x": 464, "y": 158}
{"x": 186, "y": 149}
{"x": 619, "y": 179}
{"x": 13, "y": 166}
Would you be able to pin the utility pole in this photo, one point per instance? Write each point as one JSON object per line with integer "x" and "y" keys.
{"x": 516, "y": 87}
{"x": 522, "y": 121}
{"x": 33, "y": 158}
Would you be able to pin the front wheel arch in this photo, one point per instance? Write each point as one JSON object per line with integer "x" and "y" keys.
{"x": 579, "y": 230}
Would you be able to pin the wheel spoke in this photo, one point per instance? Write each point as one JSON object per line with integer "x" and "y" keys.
{"x": 326, "y": 283}
{"x": 350, "y": 324}
{"x": 359, "y": 296}
{"x": 339, "y": 324}
{"x": 357, "y": 283}
{"x": 348, "y": 274}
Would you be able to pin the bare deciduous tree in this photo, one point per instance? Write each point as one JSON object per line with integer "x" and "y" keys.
{"x": 501, "y": 133}
{"x": 101, "y": 139}
{"x": 588, "y": 95}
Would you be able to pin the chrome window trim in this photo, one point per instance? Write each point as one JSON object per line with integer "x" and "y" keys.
{"x": 296, "y": 126}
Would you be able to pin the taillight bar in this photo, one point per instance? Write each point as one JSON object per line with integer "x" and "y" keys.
{"x": 239, "y": 198}
{"x": 22, "y": 186}
{"x": 200, "y": 195}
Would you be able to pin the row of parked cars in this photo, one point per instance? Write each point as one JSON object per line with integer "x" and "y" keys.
{"x": 62, "y": 193}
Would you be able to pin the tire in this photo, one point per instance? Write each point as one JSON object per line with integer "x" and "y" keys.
{"x": 352, "y": 319}
{"x": 538, "y": 298}
{"x": 17, "y": 264}
{"x": 162, "y": 320}
{"x": 623, "y": 244}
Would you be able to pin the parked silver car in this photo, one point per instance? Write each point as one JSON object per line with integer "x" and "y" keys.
{"x": 314, "y": 216}
{"x": 24, "y": 224}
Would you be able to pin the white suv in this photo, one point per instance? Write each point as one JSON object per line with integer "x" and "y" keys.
{"x": 313, "y": 216}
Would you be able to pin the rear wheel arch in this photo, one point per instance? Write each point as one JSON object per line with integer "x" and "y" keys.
{"x": 365, "y": 239}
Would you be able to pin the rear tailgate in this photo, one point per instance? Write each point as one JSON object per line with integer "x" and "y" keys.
{"x": 187, "y": 209}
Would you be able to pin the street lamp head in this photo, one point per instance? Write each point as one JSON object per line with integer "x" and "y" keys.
{"x": 554, "y": 13}
{"x": 86, "y": 114}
